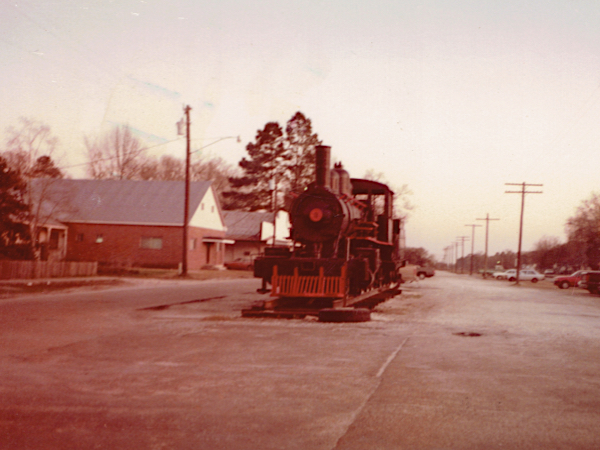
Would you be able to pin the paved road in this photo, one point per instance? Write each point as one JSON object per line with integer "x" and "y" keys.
{"x": 452, "y": 363}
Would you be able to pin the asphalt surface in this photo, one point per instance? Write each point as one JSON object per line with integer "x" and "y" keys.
{"x": 452, "y": 363}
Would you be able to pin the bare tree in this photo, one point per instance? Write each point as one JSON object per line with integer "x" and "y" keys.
{"x": 29, "y": 147}
{"x": 216, "y": 170}
{"x": 583, "y": 230}
{"x": 171, "y": 168}
{"x": 167, "y": 168}
{"x": 118, "y": 154}
{"x": 402, "y": 203}
{"x": 27, "y": 143}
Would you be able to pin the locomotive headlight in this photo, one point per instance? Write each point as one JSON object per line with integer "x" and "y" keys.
{"x": 316, "y": 214}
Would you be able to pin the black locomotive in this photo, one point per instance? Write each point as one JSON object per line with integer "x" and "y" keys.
{"x": 345, "y": 249}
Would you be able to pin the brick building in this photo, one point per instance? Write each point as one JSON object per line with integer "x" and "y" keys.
{"x": 129, "y": 223}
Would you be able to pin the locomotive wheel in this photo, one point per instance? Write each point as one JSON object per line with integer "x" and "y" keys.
{"x": 344, "y": 315}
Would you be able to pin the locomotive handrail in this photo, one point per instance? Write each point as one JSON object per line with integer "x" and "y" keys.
{"x": 353, "y": 201}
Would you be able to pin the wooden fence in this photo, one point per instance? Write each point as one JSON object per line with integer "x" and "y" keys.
{"x": 10, "y": 270}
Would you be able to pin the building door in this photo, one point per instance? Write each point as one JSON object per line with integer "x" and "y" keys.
{"x": 209, "y": 247}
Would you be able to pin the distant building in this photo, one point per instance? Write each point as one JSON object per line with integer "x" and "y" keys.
{"x": 252, "y": 232}
{"x": 135, "y": 223}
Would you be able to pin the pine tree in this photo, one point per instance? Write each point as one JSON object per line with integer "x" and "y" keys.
{"x": 263, "y": 171}
{"x": 15, "y": 242}
{"x": 301, "y": 143}
{"x": 276, "y": 164}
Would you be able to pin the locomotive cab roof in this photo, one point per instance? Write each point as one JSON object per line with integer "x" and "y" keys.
{"x": 361, "y": 186}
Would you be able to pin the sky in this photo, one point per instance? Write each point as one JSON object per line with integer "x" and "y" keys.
{"x": 453, "y": 99}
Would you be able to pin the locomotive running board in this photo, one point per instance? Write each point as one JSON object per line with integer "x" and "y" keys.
{"x": 373, "y": 298}
{"x": 280, "y": 309}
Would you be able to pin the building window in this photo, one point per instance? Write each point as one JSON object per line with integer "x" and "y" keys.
{"x": 79, "y": 237}
{"x": 193, "y": 244}
{"x": 154, "y": 243}
{"x": 99, "y": 239}
{"x": 212, "y": 209}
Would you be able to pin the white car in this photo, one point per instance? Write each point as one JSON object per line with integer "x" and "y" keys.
{"x": 499, "y": 275}
{"x": 524, "y": 275}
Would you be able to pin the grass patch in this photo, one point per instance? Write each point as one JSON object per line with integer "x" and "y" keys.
{"x": 172, "y": 274}
{"x": 49, "y": 286}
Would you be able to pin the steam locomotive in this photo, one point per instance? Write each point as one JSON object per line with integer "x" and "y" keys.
{"x": 346, "y": 246}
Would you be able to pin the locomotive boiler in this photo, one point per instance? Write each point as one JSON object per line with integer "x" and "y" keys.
{"x": 345, "y": 251}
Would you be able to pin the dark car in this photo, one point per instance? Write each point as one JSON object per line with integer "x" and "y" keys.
{"x": 591, "y": 281}
{"x": 240, "y": 264}
{"x": 425, "y": 272}
{"x": 565, "y": 282}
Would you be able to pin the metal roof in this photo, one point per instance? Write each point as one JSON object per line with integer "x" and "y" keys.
{"x": 243, "y": 225}
{"x": 122, "y": 201}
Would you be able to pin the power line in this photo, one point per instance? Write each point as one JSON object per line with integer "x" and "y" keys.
{"x": 218, "y": 140}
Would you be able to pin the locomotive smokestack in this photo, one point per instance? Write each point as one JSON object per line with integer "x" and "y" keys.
{"x": 323, "y": 160}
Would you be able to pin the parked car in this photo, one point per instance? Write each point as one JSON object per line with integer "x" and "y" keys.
{"x": 425, "y": 272}
{"x": 524, "y": 275}
{"x": 500, "y": 275}
{"x": 565, "y": 282}
{"x": 240, "y": 264}
{"x": 591, "y": 281}
{"x": 549, "y": 273}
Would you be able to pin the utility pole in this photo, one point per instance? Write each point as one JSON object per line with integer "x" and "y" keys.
{"x": 472, "y": 245}
{"x": 446, "y": 254}
{"x": 523, "y": 191}
{"x": 186, "y": 206}
{"x": 456, "y": 257}
{"x": 487, "y": 225}
{"x": 462, "y": 241}
{"x": 273, "y": 186}
{"x": 183, "y": 127}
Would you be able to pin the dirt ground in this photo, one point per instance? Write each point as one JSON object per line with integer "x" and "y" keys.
{"x": 452, "y": 363}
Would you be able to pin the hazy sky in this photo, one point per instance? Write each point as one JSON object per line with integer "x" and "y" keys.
{"x": 453, "y": 98}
